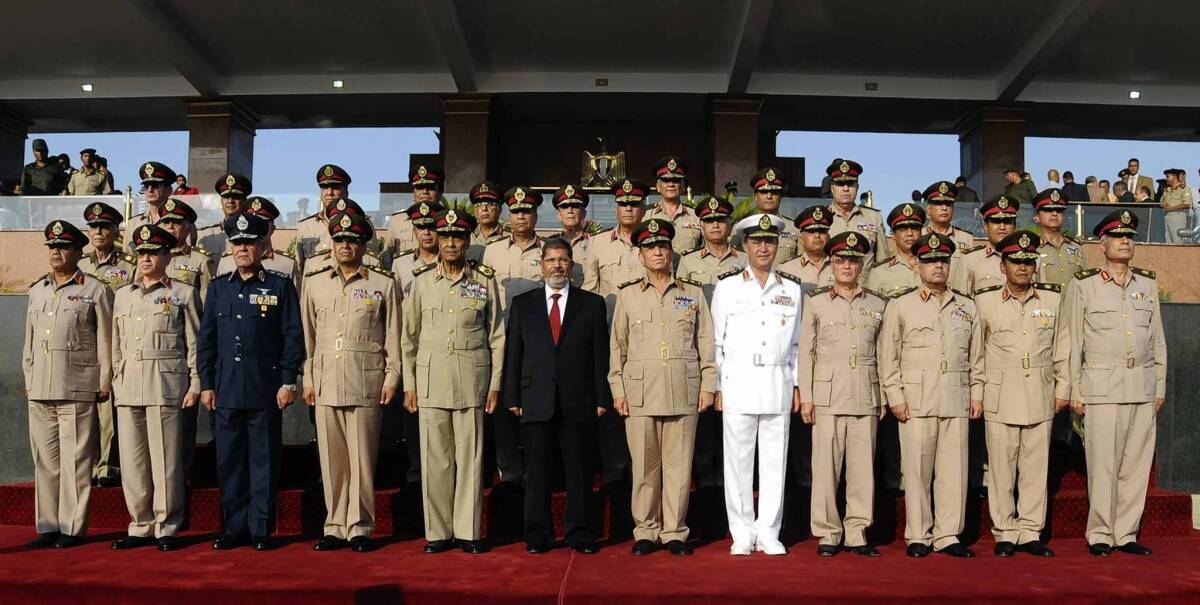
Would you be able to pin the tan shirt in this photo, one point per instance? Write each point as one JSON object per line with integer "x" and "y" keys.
{"x": 404, "y": 267}
{"x": 614, "y": 261}
{"x": 399, "y": 234}
{"x": 352, "y": 334}
{"x": 836, "y": 369}
{"x": 893, "y": 275}
{"x": 136, "y": 221}
{"x": 312, "y": 239}
{"x": 1059, "y": 264}
{"x": 1176, "y": 198}
{"x": 977, "y": 270}
{"x": 661, "y": 348}
{"x": 518, "y": 270}
{"x": 88, "y": 183}
{"x": 191, "y": 266}
{"x": 1118, "y": 350}
{"x": 67, "y": 354}
{"x": 704, "y": 267}
{"x": 867, "y": 221}
{"x": 115, "y": 271}
{"x": 453, "y": 338}
{"x": 213, "y": 239}
{"x": 963, "y": 239}
{"x": 812, "y": 275}
{"x": 687, "y": 226}
{"x": 930, "y": 352}
{"x": 154, "y": 343}
{"x": 480, "y": 240}
{"x": 1025, "y": 352}
{"x": 582, "y": 275}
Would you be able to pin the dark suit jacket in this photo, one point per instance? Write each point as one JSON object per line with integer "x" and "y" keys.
{"x": 1075, "y": 192}
{"x": 573, "y": 376}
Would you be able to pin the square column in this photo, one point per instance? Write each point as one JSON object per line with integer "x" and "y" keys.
{"x": 735, "y": 140}
{"x": 991, "y": 139}
{"x": 221, "y": 139}
{"x": 465, "y": 141}
{"x": 13, "y": 130}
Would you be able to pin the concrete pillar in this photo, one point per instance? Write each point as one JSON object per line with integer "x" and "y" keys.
{"x": 220, "y": 139}
{"x": 13, "y": 129}
{"x": 735, "y": 140}
{"x": 465, "y": 141}
{"x": 991, "y": 139}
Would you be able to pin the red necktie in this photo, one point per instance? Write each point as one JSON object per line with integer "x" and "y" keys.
{"x": 555, "y": 318}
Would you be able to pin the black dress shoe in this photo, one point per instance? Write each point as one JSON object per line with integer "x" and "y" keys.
{"x": 473, "y": 547}
{"x": 1004, "y": 549}
{"x": 360, "y": 544}
{"x": 643, "y": 547}
{"x": 538, "y": 548}
{"x": 230, "y": 542}
{"x": 917, "y": 551}
{"x": 957, "y": 550}
{"x": 828, "y": 550}
{"x": 1035, "y": 548}
{"x": 43, "y": 540}
{"x": 329, "y": 543}
{"x": 261, "y": 543}
{"x": 865, "y": 550}
{"x": 67, "y": 541}
{"x": 679, "y": 547}
{"x": 1099, "y": 549}
{"x": 588, "y": 548}
{"x": 169, "y": 543}
{"x": 436, "y": 546}
{"x": 1133, "y": 548}
{"x": 129, "y": 542}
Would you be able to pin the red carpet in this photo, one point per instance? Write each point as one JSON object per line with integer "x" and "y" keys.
{"x": 399, "y": 573}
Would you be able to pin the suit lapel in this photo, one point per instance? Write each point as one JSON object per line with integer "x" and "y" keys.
{"x": 568, "y": 316}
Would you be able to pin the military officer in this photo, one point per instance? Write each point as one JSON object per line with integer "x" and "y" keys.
{"x": 769, "y": 186}
{"x": 849, "y": 215}
{"x": 929, "y": 352}
{"x": 1023, "y": 383}
{"x": 811, "y": 264}
{"x": 714, "y": 255}
{"x": 351, "y": 317}
{"x": 312, "y": 232}
{"x": 899, "y": 271}
{"x": 155, "y": 325}
{"x": 671, "y": 177}
{"x": 756, "y": 314}
{"x": 42, "y": 176}
{"x": 1060, "y": 257}
{"x": 980, "y": 266}
{"x": 157, "y": 180}
{"x": 839, "y": 396}
{"x": 662, "y": 374}
{"x": 426, "y": 184}
{"x": 107, "y": 263}
{"x": 614, "y": 258}
{"x": 422, "y": 218}
{"x": 191, "y": 265}
{"x": 452, "y": 346}
{"x": 485, "y": 205}
{"x": 570, "y": 203}
{"x": 939, "y": 205}
{"x": 1176, "y": 202}
{"x": 250, "y": 351}
{"x": 1118, "y": 374}
{"x": 322, "y": 255}
{"x": 233, "y": 190}
{"x": 67, "y": 362}
{"x": 273, "y": 259}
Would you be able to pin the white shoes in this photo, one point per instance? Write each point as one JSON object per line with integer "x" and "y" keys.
{"x": 770, "y": 547}
{"x": 741, "y": 549}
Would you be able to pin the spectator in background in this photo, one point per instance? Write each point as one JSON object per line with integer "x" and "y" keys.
{"x": 1019, "y": 188}
{"x": 64, "y": 164}
{"x": 1176, "y": 200}
{"x": 1074, "y": 191}
{"x": 1122, "y": 193}
{"x": 916, "y": 195}
{"x": 88, "y": 180}
{"x": 966, "y": 195}
{"x": 102, "y": 166}
{"x": 1143, "y": 195}
{"x": 1107, "y": 195}
{"x": 1052, "y": 179}
{"x": 181, "y": 187}
{"x": 1133, "y": 179}
{"x": 42, "y": 176}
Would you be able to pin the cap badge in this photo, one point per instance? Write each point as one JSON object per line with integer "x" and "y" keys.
{"x": 145, "y": 233}
{"x": 96, "y": 210}
{"x": 713, "y": 204}
{"x": 844, "y": 167}
{"x": 1023, "y": 241}
{"x": 569, "y": 191}
{"x": 1002, "y": 203}
{"x": 934, "y": 242}
{"x": 817, "y": 214}
{"x": 652, "y": 226}
{"x": 852, "y": 240}
{"x": 519, "y": 195}
{"x": 256, "y": 205}
{"x": 341, "y": 204}
{"x": 422, "y": 171}
{"x": 423, "y": 209}
{"x": 908, "y": 210}
{"x": 170, "y": 205}
{"x": 148, "y": 170}
{"x": 1054, "y": 196}
{"x": 230, "y": 181}
{"x": 627, "y": 186}
{"x": 943, "y": 188}
{"x": 770, "y": 174}
{"x": 242, "y": 223}
{"x": 671, "y": 165}
{"x": 451, "y": 218}
{"x": 345, "y": 222}
{"x": 57, "y": 229}
{"x": 764, "y": 222}
{"x": 483, "y": 188}
{"x": 328, "y": 171}
{"x": 1125, "y": 218}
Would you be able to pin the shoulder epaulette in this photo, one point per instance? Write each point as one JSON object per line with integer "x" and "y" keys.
{"x": 1070, "y": 238}
{"x": 482, "y": 268}
{"x": 696, "y": 249}
{"x": 821, "y": 290}
{"x": 788, "y": 276}
{"x": 884, "y": 261}
{"x": 321, "y": 270}
{"x": 220, "y": 275}
{"x": 1086, "y": 273}
{"x": 874, "y": 293}
{"x": 1049, "y": 287}
{"x": 729, "y": 273}
{"x": 902, "y": 291}
{"x": 423, "y": 268}
{"x": 370, "y": 254}
{"x": 282, "y": 274}
{"x": 42, "y": 278}
{"x": 380, "y": 270}
{"x": 688, "y": 280}
{"x": 230, "y": 253}
{"x": 309, "y": 217}
{"x": 629, "y": 283}
{"x": 202, "y": 251}
{"x": 970, "y": 249}
{"x": 988, "y": 289}
{"x": 961, "y": 293}
{"x": 497, "y": 237}
{"x": 128, "y": 258}
{"x": 280, "y": 253}
{"x": 403, "y": 253}
{"x": 1143, "y": 272}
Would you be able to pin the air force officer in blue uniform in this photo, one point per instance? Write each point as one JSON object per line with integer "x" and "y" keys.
{"x": 250, "y": 349}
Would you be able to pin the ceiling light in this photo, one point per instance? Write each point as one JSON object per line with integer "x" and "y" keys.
{"x": 86, "y": 88}
{"x": 1135, "y": 94}
{"x": 339, "y": 84}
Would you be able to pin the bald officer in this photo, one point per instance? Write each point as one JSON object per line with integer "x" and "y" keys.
{"x": 980, "y": 266}
{"x": 67, "y": 361}
{"x": 1118, "y": 374}
{"x": 233, "y": 190}
{"x": 849, "y": 215}
{"x": 811, "y": 263}
{"x": 769, "y": 185}
{"x": 1024, "y": 381}
{"x": 839, "y": 396}
{"x": 670, "y": 174}
{"x": 426, "y": 182}
{"x": 156, "y": 322}
{"x": 929, "y": 353}
{"x": 662, "y": 374}
{"x": 351, "y": 317}
{"x": 453, "y": 352}
{"x": 312, "y": 232}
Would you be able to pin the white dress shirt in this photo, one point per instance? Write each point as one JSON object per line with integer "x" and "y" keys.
{"x": 562, "y": 300}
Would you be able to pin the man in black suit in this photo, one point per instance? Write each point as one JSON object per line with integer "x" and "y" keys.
{"x": 1075, "y": 192}
{"x": 555, "y": 380}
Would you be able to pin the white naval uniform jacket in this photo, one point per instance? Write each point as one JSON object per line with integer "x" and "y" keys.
{"x": 756, "y": 331}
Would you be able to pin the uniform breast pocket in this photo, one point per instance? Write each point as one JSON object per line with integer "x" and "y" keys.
{"x": 685, "y": 328}
{"x": 1102, "y": 318}
{"x": 322, "y": 319}
{"x": 822, "y": 386}
{"x": 1143, "y": 312}
{"x": 431, "y": 315}
{"x": 829, "y": 332}
{"x": 917, "y": 337}
{"x": 640, "y": 325}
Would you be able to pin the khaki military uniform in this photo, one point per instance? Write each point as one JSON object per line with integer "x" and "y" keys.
{"x": 581, "y": 255}
{"x": 1117, "y": 369}
{"x": 836, "y": 371}
{"x": 67, "y": 361}
{"x": 929, "y": 352}
{"x": 88, "y": 183}
{"x": 154, "y": 366}
{"x": 979, "y": 268}
{"x": 352, "y": 335}
{"x": 212, "y": 239}
{"x": 1025, "y": 357}
{"x": 136, "y": 221}
{"x": 115, "y": 271}
{"x": 661, "y": 358}
{"x": 404, "y": 269}
{"x": 518, "y": 269}
{"x": 325, "y": 259}
{"x": 687, "y": 226}
{"x": 275, "y": 260}
{"x": 789, "y": 242}
{"x": 963, "y": 239}
{"x": 194, "y": 267}
{"x": 399, "y": 234}
{"x": 867, "y": 221}
{"x": 704, "y": 266}
{"x": 480, "y": 241}
{"x": 811, "y": 274}
{"x": 1059, "y": 264}
{"x": 312, "y": 239}
{"x": 453, "y": 350}
{"x": 892, "y": 275}
{"x": 614, "y": 261}
{"x": 1175, "y": 202}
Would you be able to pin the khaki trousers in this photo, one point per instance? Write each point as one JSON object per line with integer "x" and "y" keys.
{"x": 933, "y": 458}
{"x": 107, "y": 462}
{"x": 62, "y": 437}
{"x": 839, "y": 440}
{"x": 1119, "y": 446}
{"x": 1018, "y": 456}
{"x": 451, "y": 450}
{"x": 151, "y": 445}
{"x": 661, "y": 449}
{"x": 348, "y": 446}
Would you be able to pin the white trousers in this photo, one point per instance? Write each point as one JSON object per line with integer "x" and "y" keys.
{"x": 742, "y": 433}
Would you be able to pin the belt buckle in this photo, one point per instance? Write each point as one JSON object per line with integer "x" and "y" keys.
{"x": 943, "y": 368}
{"x": 1129, "y": 362}
{"x": 45, "y": 346}
{"x": 137, "y": 356}
{"x": 337, "y": 345}
{"x": 664, "y": 353}
{"x": 853, "y": 361}
{"x": 758, "y": 359}
{"x": 1025, "y": 362}
{"x": 450, "y": 345}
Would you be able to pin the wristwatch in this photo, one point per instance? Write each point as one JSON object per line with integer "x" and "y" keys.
{"x": 290, "y": 387}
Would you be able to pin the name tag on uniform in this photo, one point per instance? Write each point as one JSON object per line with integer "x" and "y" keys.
{"x": 87, "y": 300}
{"x": 865, "y": 227}
{"x": 786, "y": 301}
{"x": 961, "y": 313}
{"x": 168, "y": 301}
{"x": 183, "y": 267}
{"x": 869, "y": 313}
{"x": 363, "y": 293}
{"x": 787, "y": 235}
{"x": 1041, "y": 313}
{"x": 691, "y": 225}
{"x": 684, "y": 302}
{"x": 535, "y": 263}
{"x": 264, "y": 300}
{"x": 1139, "y": 296}
{"x": 474, "y": 291}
